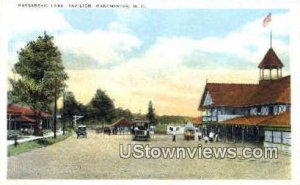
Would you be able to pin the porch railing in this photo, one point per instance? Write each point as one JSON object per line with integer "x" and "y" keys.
{"x": 209, "y": 119}
{"x": 218, "y": 118}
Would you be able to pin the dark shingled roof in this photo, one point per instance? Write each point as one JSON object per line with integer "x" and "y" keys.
{"x": 235, "y": 95}
{"x": 123, "y": 122}
{"x": 243, "y": 95}
{"x": 24, "y": 119}
{"x": 15, "y": 109}
{"x": 270, "y": 60}
{"x": 273, "y": 91}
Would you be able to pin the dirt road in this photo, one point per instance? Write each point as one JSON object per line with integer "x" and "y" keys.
{"x": 97, "y": 157}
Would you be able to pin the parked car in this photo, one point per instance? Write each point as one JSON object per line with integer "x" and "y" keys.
{"x": 189, "y": 131}
{"x": 81, "y": 131}
{"x": 189, "y": 134}
{"x": 141, "y": 130}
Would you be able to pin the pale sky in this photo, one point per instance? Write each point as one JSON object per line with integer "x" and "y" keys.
{"x": 154, "y": 54}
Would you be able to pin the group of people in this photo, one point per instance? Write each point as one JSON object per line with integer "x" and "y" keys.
{"x": 211, "y": 137}
{"x": 198, "y": 136}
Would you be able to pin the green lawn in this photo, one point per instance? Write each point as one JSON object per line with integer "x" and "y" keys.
{"x": 28, "y": 146}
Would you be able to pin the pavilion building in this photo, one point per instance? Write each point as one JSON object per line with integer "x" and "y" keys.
{"x": 251, "y": 112}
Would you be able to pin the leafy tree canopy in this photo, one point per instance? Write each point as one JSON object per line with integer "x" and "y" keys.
{"x": 102, "y": 106}
{"x": 40, "y": 69}
{"x": 119, "y": 113}
{"x": 151, "y": 114}
{"x": 41, "y": 77}
{"x": 70, "y": 106}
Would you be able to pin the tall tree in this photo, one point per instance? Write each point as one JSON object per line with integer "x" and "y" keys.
{"x": 151, "y": 114}
{"x": 103, "y": 107}
{"x": 70, "y": 107}
{"x": 42, "y": 77}
{"x": 119, "y": 113}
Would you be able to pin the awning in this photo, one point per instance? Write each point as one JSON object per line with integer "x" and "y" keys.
{"x": 282, "y": 119}
{"x": 245, "y": 120}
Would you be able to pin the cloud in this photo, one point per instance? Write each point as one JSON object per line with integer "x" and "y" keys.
{"x": 241, "y": 49}
{"x": 117, "y": 26}
{"x": 27, "y": 20}
{"x": 108, "y": 48}
{"x": 77, "y": 61}
{"x": 212, "y": 60}
{"x": 171, "y": 72}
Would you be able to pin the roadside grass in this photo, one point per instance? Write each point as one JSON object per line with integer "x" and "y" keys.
{"x": 28, "y": 146}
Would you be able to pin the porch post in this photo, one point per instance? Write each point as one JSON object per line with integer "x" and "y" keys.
{"x": 226, "y": 133}
{"x": 9, "y": 121}
{"x": 232, "y": 133}
{"x": 257, "y": 133}
{"x": 243, "y": 134}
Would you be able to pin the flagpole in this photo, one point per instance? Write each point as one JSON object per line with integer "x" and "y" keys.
{"x": 266, "y": 21}
{"x": 271, "y": 37}
{"x": 271, "y": 31}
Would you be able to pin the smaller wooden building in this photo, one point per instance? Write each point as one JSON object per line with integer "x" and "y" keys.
{"x": 23, "y": 118}
{"x": 123, "y": 125}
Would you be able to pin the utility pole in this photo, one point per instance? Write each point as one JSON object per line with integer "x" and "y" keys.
{"x": 62, "y": 112}
{"x": 76, "y": 118}
{"x": 54, "y": 111}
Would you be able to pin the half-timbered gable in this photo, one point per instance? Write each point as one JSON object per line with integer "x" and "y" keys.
{"x": 207, "y": 99}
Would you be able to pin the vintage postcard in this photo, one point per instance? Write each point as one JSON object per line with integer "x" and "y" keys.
{"x": 122, "y": 90}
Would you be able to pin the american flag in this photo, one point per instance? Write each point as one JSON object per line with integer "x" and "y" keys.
{"x": 267, "y": 20}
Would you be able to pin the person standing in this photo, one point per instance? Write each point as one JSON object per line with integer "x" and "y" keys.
{"x": 174, "y": 135}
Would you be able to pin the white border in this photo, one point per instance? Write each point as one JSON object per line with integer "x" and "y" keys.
{"x": 293, "y": 5}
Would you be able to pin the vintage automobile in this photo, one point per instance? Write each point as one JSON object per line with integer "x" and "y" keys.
{"x": 141, "y": 130}
{"x": 106, "y": 130}
{"x": 81, "y": 131}
{"x": 189, "y": 132}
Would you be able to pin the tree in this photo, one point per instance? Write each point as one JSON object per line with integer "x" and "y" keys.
{"x": 70, "y": 107}
{"x": 119, "y": 113}
{"x": 168, "y": 119}
{"x": 103, "y": 107}
{"x": 151, "y": 114}
{"x": 42, "y": 77}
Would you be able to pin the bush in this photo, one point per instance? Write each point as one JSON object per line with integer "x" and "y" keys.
{"x": 45, "y": 142}
{"x": 12, "y": 133}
